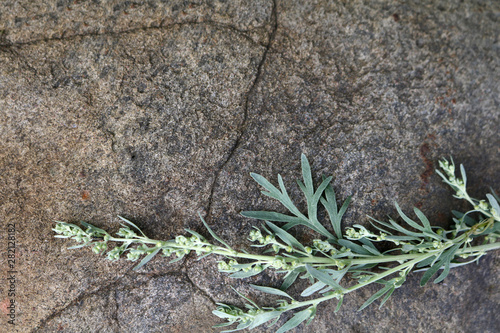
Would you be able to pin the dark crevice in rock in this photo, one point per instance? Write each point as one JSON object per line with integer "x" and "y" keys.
{"x": 182, "y": 274}
{"x": 243, "y": 127}
{"x": 6, "y": 44}
{"x": 80, "y": 298}
{"x": 202, "y": 292}
{"x": 114, "y": 317}
{"x": 12, "y": 52}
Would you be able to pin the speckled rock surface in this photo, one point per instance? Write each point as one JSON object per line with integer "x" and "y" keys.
{"x": 158, "y": 110}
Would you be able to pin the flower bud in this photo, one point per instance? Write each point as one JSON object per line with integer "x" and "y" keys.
{"x": 96, "y": 249}
{"x": 257, "y": 268}
{"x": 181, "y": 240}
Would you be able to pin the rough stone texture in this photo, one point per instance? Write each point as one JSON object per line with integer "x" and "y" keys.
{"x": 173, "y": 304}
{"x": 28, "y": 21}
{"x": 159, "y": 110}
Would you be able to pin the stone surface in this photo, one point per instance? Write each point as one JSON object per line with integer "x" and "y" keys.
{"x": 158, "y": 110}
{"x": 32, "y": 21}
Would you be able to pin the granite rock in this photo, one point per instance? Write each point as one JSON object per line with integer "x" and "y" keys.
{"x": 158, "y": 111}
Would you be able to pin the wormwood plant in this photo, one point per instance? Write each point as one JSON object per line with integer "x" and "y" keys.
{"x": 418, "y": 246}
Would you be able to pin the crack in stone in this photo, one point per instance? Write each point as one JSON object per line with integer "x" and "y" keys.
{"x": 114, "y": 316}
{"x": 79, "y": 299}
{"x": 243, "y": 126}
{"x": 6, "y": 44}
{"x": 112, "y": 288}
{"x": 203, "y": 292}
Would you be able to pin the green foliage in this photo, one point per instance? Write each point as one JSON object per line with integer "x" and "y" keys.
{"x": 418, "y": 246}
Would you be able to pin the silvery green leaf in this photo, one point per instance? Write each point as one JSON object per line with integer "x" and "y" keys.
{"x": 375, "y": 296}
{"x": 385, "y": 224}
{"x": 280, "y": 196}
{"x": 204, "y": 255}
{"x": 253, "y": 304}
{"x": 271, "y": 216}
{"x": 493, "y": 203}
{"x": 265, "y": 184}
{"x": 312, "y": 315}
{"x": 316, "y": 227}
{"x": 408, "y": 247}
{"x": 147, "y": 258}
{"x": 133, "y": 225}
{"x": 367, "y": 244}
{"x": 313, "y": 201}
{"x": 323, "y": 277}
{"x": 386, "y": 297}
{"x": 284, "y": 192}
{"x": 372, "y": 250}
{"x": 269, "y": 290}
{"x": 445, "y": 257}
{"x": 61, "y": 236}
{"x": 402, "y": 238}
{"x": 242, "y": 266}
{"x": 445, "y": 180}
{"x": 295, "y": 321}
{"x": 339, "y": 303}
{"x": 224, "y": 315}
{"x": 312, "y": 197}
{"x": 403, "y": 230}
{"x": 213, "y": 233}
{"x": 291, "y": 277}
{"x": 307, "y": 176}
{"x": 423, "y": 219}
{"x": 330, "y": 204}
{"x": 286, "y": 237}
{"x": 337, "y": 274}
{"x": 290, "y": 225}
{"x": 93, "y": 228}
{"x": 242, "y": 274}
{"x": 312, "y": 289}
{"x": 78, "y": 246}
{"x": 194, "y": 233}
{"x": 354, "y": 247}
{"x": 241, "y": 326}
{"x": 271, "y": 195}
{"x": 407, "y": 219}
{"x": 430, "y": 272}
{"x": 321, "y": 230}
{"x": 458, "y": 264}
{"x": 264, "y": 317}
{"x": 273, "y": 322}
{"x": 444, "y": 274}
{"x": 343, "y": 208}
{"x": 464, "y": 177}
{"x": 287, "y": 202}
{"x": 433, "y": 235}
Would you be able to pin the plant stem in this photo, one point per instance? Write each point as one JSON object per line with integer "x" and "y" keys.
{"x": 375, "y": 278}
{"x": 312, "y": 260}
{"x": 416, "y": 258}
